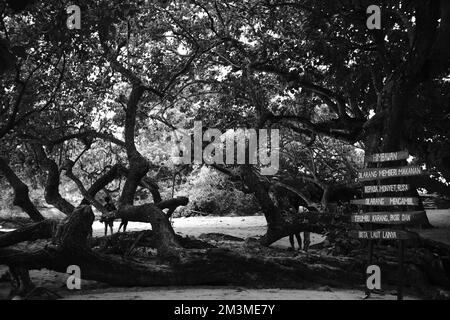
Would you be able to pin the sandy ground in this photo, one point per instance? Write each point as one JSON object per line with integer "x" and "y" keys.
{"x": 226, "y": 293}
{"x": 242, "y": 227}
{"x": 236, "y": 226}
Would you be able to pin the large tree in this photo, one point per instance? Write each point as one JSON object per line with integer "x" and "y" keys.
{"x": 311, "y": 55}
{"x": 310, "y": 68}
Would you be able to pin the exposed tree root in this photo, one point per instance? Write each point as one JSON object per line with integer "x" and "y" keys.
{"x": 120, "y": 243}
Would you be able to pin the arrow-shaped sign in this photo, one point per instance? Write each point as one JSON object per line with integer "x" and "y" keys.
{"x": 384, "y": 234}
{"x": 389, "y": 156}
{"x": 384, "y": 173}
{"x": 386, "y": 188}
{"x": 387, "y": 201}
{"x": 405, "y": 217}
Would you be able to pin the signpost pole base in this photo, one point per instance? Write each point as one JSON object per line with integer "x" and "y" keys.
{"x": 401, "y": 251}
{"x": 369, "y": 262}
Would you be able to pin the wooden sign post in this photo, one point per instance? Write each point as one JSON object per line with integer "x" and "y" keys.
{"x": 387, "y": 217}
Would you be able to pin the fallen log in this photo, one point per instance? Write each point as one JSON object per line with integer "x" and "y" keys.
{"x": 255, "y": 266}
{"x": 40, "y": 230}
{"x": 195, "y": 267}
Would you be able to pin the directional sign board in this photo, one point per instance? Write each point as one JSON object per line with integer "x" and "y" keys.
{"x": 400, "y": 218}
{"x": 408, "y": 217}
{"x": 386, "y": 188}
{"x": 384, "y": 173}
{"x": 387, "y": 201}
{"x": 383, "y": 234}
{"x": 390, "y": 156}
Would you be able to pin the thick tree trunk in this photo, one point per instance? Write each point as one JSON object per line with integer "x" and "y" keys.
{"x": 281, "y": 222}
{"x": 151, "y": 213}
{"x": 427, "y": 59}
{"x": 172, "y": 204}
{"x": 68, "y": 166}
{"x": 168, "y": 245}
{"x": 21, "y": 282}
{"x": 51, "y": 193}
{"x": 139, "y": 166}
{"x": 118, "y": 171}
{"x": 113, "y": 173}
{"x": 21, "y": 197}
{"x": 276, "y": 225}
{"x": 261, "y": 192}
{"x": 401, "y": 85}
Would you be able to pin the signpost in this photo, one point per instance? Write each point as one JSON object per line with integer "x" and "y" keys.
{"x": 386, "y": 216}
